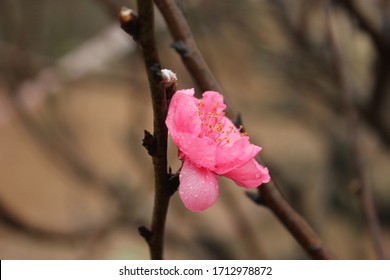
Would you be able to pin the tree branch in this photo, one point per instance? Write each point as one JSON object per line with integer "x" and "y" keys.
{"x": 379, "y": 41}
{"x": 365, "y": 192}
{"x": 273, "y": 198}
{"x": 186, "y": 46}
{"x": 146, "y": 39}
{"x": 381, "y": 44}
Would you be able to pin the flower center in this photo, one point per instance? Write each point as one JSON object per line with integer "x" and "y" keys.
{"x": 214, "y": 125}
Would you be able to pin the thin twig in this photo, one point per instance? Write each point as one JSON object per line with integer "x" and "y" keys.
{"x": 146, "y": 39}
{"x": 365, "y": 192}
{"x": 273, "y": 197}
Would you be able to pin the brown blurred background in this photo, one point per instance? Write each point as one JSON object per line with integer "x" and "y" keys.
{"x": 75, "y": 182}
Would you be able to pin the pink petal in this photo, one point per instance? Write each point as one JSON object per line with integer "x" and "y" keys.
{"x": 189, "y": 92}
{"x": 213, "y": 101}
{"x": 198, "y": 187}
{"x": 201, "y": 151}
{"x": 183, "y": 115}
{"x": 249, "y": 175}
{"x": 235, "y": 155}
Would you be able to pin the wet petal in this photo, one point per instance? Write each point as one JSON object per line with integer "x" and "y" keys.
{"x": 198, "y": 187}
{"x": 234, "y": 156}
{"x": 201, "y": 151}
{"x": 249, "y": 175}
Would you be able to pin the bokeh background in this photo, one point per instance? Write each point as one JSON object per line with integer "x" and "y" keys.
{"x": 75, "y": 181}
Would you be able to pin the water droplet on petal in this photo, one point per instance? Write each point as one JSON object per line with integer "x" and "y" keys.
{"x": 196, "y": 195}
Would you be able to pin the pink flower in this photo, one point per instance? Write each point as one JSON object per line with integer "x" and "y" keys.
{"x": 209, "y": 145}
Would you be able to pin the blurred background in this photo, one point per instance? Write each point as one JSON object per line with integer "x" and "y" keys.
{"x": 75, "y": 182}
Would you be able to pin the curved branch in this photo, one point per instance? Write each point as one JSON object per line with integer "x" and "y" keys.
{"x": 142, "y": 30}
{"x": 186, "y": 46}
{"x": 273, "y": 197}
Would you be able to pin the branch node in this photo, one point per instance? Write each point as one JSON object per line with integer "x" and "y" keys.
{"x": 145, "y": 233}
{"x": 238, "y": 120}
{"x": 155, "y": 69}
{"x": 129, "y": 21}
{"x": 181, "y": 48}
{"x": 169, "y": 80}
{"x": 173, "y": 183}
{"x": 256, "y": 198}
{"x": 149, "y": 143}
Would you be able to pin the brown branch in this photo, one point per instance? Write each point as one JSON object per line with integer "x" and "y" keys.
{"x": 186, "y": 46}
{"x": 379, "y": 41}
{"x": 273, "y": 198}
{"x": 146, "y": 39}
{"x": 370, "y": 113}
{"x": 365, "y": 192}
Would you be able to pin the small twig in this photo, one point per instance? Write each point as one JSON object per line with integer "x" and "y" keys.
{"x": 365, "y": 193}
{"x": 146, "y": 39}
{"x": 198, "y": 68}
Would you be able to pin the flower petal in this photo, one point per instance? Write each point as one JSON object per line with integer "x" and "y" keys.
{"x": 201, "y": 151}
{"x": 183, "y": 115}
{"x": 249, "y": 175}
{"x": 235, "y": 155}
{"x": 198, "y": 187}
{"x": 213, "y": 102}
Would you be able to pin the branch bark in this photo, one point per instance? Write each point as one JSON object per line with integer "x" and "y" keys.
{"x": 273, "y": 197}
{"x": 186, "y": 46}
{"x": 146, "y": 39}
{"x": 379, "y": 92}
